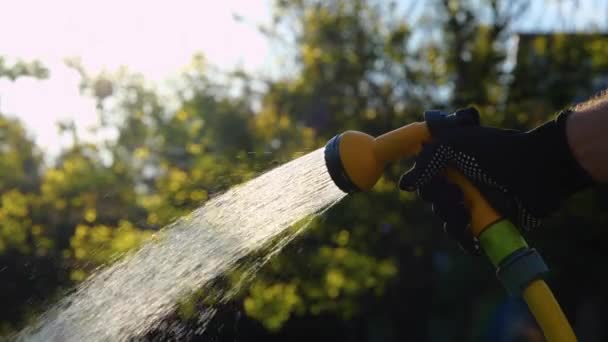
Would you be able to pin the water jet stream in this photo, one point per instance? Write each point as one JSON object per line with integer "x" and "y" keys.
{"x": 132, "y": 296}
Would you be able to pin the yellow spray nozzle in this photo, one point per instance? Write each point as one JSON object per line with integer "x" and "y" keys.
{"x": 355, "y": 160}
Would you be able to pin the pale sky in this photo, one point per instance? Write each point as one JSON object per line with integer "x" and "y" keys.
{"x": 157, "y": 38}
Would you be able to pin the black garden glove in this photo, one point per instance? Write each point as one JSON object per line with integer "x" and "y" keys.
{"x": 524, "y": 175}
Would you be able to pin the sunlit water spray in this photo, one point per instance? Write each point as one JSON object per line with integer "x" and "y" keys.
{"x": 132, "y": 296}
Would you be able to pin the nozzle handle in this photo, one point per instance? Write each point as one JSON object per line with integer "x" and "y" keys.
{"x": 406, "y": 142}
{"x": 482, "y": 213}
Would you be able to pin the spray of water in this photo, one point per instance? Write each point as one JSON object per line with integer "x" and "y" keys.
{"x": 132, "y": 296}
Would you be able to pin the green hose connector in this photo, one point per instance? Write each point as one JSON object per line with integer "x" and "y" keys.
{"x": 516, "y": 265}
{"x": 500, "y": 240}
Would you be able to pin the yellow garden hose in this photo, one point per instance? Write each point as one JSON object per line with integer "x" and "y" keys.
{"x": 547, "y": 312}
{"x": 356, "y": 161}
{"x": 538, "y": 296}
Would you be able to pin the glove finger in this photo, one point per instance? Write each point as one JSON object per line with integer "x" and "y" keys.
{"x": 448, "y": 205}
{"x": 440, "y": 190}
{"x": 451, "y": 209}
{"x": 456, "y": 219}
{"x": 430, "y": 162}
{"x": 469, "y": 244}
{"x": 467, "y": 117}
{"x": 458, "y": 228}
{"x": 442, "y": 125}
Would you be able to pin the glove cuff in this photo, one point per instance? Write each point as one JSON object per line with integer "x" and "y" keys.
{"x": 566, "y": 170}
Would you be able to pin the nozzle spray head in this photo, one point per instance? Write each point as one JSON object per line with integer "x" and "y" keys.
{"x": 335, "y": 168}
{"x": 351, "y": 161}
{"x": 355, "y": 160}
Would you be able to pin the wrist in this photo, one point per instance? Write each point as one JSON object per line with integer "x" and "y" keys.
{"x": 585, "y": 131}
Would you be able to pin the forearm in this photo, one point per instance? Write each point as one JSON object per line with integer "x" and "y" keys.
{"x": 587, "y": 132}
